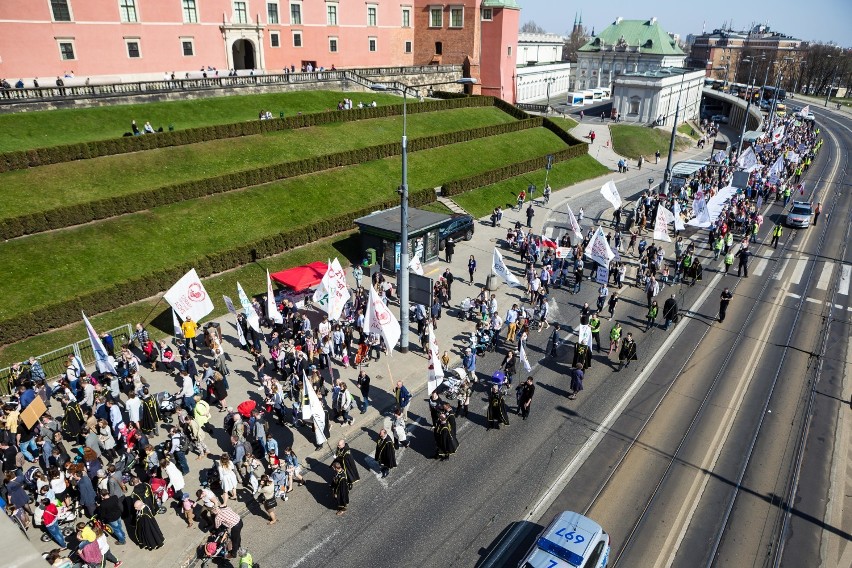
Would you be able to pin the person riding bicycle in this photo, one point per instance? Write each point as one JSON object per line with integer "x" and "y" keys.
{"x": 547, "y": 191}
{"x": 522, "y": 196}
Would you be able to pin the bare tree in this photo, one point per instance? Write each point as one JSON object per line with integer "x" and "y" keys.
{"x": 532, "y": 28}
{"x": 574, "y": 41}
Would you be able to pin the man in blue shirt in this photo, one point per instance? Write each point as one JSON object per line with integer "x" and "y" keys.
{"x": 469, "y": 362}
{"x": 403, "y": 398}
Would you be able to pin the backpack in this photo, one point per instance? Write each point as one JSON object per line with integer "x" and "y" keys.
{"x": 183, "y": 442}
{"x": 91, "y": 553}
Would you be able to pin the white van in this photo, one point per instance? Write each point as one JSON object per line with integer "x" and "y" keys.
{"x": 570, "y": 541}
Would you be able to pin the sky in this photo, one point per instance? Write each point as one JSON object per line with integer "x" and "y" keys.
{"x": 816, "y": 20}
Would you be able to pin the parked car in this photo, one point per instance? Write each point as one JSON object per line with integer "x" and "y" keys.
{"x": 459, "y": 226}
{"x": 719, "y": 118}
{"x": 800, "y": 215}
{"x": 569, "y": 540}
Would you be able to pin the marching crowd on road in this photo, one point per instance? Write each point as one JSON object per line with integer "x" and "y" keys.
{"x": 110, "y": 449}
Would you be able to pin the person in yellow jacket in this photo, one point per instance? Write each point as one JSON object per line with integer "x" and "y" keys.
{"x": 729, "y": 260}
{"x": 189, "y": 329}
{"x": 777, "y": 231}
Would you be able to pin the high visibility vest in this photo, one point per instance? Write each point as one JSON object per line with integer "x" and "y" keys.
{"x": 787, "y": 192}
{"x": 595, "y": 324}
{"x": 729, "y": 239}
{"x": 687, "y": 261}
{"x": 615, "y": 333}
{"x": 776, "y": 232}
{"x": 729, "y": 258}
{"x": 717, "y": 244}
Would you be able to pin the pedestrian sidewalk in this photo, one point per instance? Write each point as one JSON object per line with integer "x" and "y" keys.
{"x": 601, "y": 149}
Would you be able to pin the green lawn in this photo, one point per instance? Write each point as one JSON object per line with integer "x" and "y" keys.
{"x": 47, "y": 187}
{"x": 688, "y": 130}
{"x": 252, "y": 277}
{"x": 480, "y": 202}
{"x": 633, "y": 141}
{"x": 25, "y": 130}
{"x": 437, "y": 207}
{"x": 51, "y": 267}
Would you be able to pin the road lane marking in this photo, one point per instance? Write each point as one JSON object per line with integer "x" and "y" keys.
{"x": 813, "y": 300}
{"x": 761, "y": 266}
{"x": 845, "y": 279}
{"x": 825, "y": 276}
{"x": 798, "y": 271}
{"x": 781, "y": 269}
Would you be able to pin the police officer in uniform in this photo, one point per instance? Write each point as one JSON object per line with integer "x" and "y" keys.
{"x": 776, "y": 234}
{"x": 595, "y": 324}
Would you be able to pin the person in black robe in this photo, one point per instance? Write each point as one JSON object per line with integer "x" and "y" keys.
{"x": 451, "y": 420}
{"x": 435, "y": 406}
{"x": 444, "y": 438}
{"x": 343, "y": 456}
{"x": 340, "y": 487}
{"x": 385, "y": 452}
{"x": 148, "y": 534}
{"x": 73, "y": 421}
{"x": 143, "y": 492}
{"x": 577, "y": 376}
{"x": 628, "y": 352}
{"x": 150, "y": 419}
{"x": 496, "y": 409}
{"x": 582, "y": 355}
{"x": 526, "y": 390}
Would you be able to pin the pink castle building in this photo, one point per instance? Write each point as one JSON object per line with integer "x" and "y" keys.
{"x": 113, "y": 40}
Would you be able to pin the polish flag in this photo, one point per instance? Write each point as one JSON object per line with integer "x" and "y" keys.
{"x": 548, "y": 243}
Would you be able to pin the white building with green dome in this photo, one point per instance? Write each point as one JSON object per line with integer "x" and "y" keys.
{"x": 626, "y": 46}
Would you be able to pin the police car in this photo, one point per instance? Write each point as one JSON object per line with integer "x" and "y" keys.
{"x": 570, "y": 541}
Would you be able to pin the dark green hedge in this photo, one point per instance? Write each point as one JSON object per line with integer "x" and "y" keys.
{"x": 85, "y": 150}
{"x": 563, "y": 134}
{"x": 129, "y": 291}
{"x": 123, "y": 204}
{"x": 512, "y": 170}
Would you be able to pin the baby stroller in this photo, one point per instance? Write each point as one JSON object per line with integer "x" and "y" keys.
{"x": 167, "y": 404}
{"x": 452, "y": 381}
{"x": 467, "y": 310}
{"x": 67, "y": 522}
{"x": 499, "y": 380}
{"x": 484, "y": 341}
{"x": 217, "y": 546}
{"x": 161, "y": 492}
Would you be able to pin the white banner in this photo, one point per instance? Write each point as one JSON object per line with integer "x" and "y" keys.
{"x": 777, "y": 170}
{"x": 699, "y": 209}
{"x": 805, "y": 110}
{"x": 610, "y": 193}
{"x": 748, "y": 159}
{"x": 379, "y": 319}
{"x": 436, "y": 372}
{"x": 271, "y": 308}
{"x": 189, "y": 298}
{"x": 333, "y": 292}
{"x": 317, "y": 413}
{"x": 598, "y": 249}
{"x": 499, "y": 268}
{"x": 661, "y": 225}
{"x": 574, "y": 225}
{"x": 240, "y": 335}
{"x": 584, "y": 335}
{"x": 102, "y": 360}
{"x": 678, "y": 220}
{"x": 778, "y": 134}
{"x": 251, "y": 315}
{"x": 229, "y": 303}
{"x": 524, "y": 361}
{"x": 563, "y": 252}
{"x": 415, "y": 265}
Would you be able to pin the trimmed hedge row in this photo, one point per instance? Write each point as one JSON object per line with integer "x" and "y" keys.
{"x": 23, "y": 159}
{"x": 512, "y": 170}
{"x": 563, "y": 134}
{"x": 76, "y": 214}
{"x": 120, "y": 294}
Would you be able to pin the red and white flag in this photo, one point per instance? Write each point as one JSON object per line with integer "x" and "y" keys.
{"x": 545, "y": 242}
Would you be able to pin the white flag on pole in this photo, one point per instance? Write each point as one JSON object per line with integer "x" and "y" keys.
{"x": 240, "y": 335}
{"x": 271, "y": 308}
{"x": 574, "y": 225}
{"x": 610, "y": 193}
{"x": 598, "y": 249}
{"x": 805, "y": 110}
{"x": 248, "y": 309}
{"x": 702, "y": 215}
{"x": 415, "y": 265}
{"x": 317, "y": 413}
{"x": 678, "y": 220}
{"x": 661, "y": 225}
{"x": 436, "y": 372}
{"x": 499, "y": 268}
{"x": 333, "y": 292}
{"x": 176, "y": 324}
{"x": 748, "y": 159}
{"x": 102, "y": 360}
{"x": 524, "y": 361}
{"x": 379, "y": 319}
{"x": 777, "y": 170}
{"x": 778, "y": 134}
{"x": 189, "y": 298}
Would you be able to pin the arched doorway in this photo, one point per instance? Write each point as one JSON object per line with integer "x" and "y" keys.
{"x": 243, "y": 52}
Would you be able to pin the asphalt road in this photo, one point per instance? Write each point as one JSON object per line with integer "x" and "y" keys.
{"x": 485, "y": 505}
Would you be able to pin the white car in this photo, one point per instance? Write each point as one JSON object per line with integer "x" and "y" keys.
{"x": 569, "y": 541}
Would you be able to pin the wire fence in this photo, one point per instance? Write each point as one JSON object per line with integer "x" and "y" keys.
{"x": 53, "y": 362}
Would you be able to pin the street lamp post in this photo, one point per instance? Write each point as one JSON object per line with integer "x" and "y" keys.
{"x": 748, "y": 106}
{"x": 402, "y": 285}
{"x": 549, "y": 81}
{"x": 667, "y": 175}
{"x": 775, "y": 94}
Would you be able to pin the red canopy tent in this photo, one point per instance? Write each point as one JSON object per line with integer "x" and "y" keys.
{"x": 301, "y": 277}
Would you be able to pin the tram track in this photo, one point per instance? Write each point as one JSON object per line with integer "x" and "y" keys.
{"x": 624, "y": 546}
